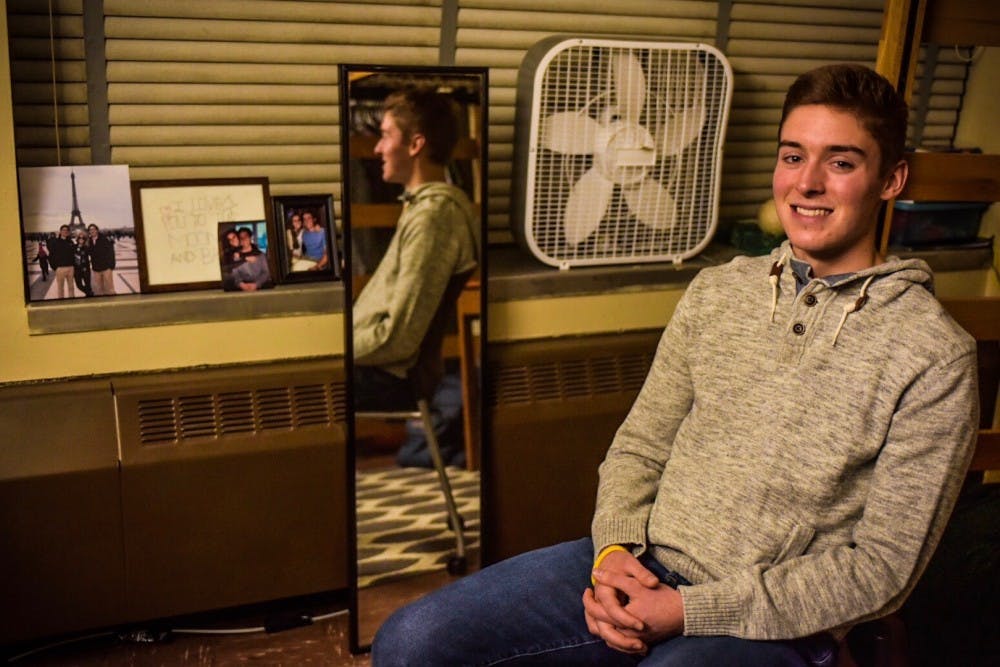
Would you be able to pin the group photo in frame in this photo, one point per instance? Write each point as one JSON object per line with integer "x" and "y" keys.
{"x": 177, "y": 228}
{"x": 77, "y": 232}
{"x": 306, "y": 241}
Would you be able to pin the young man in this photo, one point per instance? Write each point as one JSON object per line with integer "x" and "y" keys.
{"x": 61, "y": 259}
{"x": 791, "y": 461}
{"x": 437, "y": 236}
{"x": 102, "y": 259}
{"x": 314, "y": 254}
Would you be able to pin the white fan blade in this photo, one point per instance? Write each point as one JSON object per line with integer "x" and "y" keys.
{"x": 630, "y": 86}
{"x": 652, "y": 204}
{"x": 680, "y": 129}
{"x": 570, "y": 132}
{"x": 588, "y": 200}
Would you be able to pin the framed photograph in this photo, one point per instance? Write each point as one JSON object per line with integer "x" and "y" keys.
{"x": 306, "y": 240}
{"x": 244, "y": 256}
{"x": 177, "y": 228}
{"x": 77, "y": 232}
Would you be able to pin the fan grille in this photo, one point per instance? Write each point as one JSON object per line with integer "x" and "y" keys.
{"x": 650, "y": 170}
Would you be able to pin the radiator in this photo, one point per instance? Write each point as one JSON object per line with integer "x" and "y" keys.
{"x": 172, "y": 493}
{"x": 553, "y": 407}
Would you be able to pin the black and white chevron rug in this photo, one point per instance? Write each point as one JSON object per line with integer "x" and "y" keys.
{"x": 402, "y": 521}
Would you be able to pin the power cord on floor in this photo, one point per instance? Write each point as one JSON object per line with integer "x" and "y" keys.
{"x": 276, "y": 623}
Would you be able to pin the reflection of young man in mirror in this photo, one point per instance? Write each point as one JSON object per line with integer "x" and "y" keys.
{"x": 791, "y": 460}
{"x": 436, "y": 237}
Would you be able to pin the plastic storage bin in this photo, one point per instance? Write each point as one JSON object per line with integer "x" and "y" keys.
{"x": 935, "y": 223}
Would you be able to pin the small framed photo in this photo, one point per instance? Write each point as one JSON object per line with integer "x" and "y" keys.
{"x": 308, "y": 248}
{"x": 245, "y": 262}
{"x": 176, "y": 227}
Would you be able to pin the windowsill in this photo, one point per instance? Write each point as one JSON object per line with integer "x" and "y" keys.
{"x": 514, "y": 275}
{"x": 151, "y": 310}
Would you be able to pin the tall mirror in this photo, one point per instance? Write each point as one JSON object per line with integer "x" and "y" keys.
{"x": 414, "y": 156}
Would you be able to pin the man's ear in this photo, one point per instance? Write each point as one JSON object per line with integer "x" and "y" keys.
{"x": 417, "y": 143}
{"x": 895, "y": 180}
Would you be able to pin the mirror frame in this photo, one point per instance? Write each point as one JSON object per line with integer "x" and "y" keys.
{"x": 346, "y": 72}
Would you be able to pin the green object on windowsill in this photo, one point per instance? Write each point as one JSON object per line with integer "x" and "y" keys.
{"x": 749, "y": 238}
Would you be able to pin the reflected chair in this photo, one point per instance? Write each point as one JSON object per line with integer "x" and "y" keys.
{"x": 423, "y": 380}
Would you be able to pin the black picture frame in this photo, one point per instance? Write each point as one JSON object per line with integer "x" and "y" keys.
{"x": 293, "y": 266}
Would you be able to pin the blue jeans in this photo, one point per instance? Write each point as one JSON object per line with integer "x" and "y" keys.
{"x": 528, "y": 610}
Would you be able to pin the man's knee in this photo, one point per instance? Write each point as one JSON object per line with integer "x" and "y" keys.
{"x": 409, "y": 637}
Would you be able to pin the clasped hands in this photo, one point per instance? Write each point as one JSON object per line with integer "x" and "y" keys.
{"x": 629, "y": 608}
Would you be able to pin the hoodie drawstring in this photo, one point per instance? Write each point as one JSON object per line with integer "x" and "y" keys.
{"x": 853, "y": 307}
{"x": 773, "y": 278}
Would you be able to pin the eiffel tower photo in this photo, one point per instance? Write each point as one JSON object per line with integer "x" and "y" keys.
{"x": 76, "y": 223}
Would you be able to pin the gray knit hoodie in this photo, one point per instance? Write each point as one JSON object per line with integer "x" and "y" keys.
{"x": 795, "y": 455}
{"x": 436, "y": 237}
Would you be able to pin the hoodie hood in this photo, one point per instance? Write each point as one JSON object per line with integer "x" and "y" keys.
{"x": 457, "y": 197}
{"x": 892, "y": 278}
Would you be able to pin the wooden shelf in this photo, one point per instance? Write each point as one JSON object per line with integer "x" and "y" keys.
{"x": 961, "y": 22}
{"x": 953, "y": 177}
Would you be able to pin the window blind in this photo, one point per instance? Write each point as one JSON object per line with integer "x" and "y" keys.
{"x": 247, "y": 87}
{"x": 49, "y": 82}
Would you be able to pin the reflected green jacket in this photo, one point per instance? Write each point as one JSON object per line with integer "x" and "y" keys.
{"x": 436, "y": 237}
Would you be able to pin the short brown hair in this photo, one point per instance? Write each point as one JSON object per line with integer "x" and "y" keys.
{"x": 426, "y": 111}
{"x": 862, "y": 92}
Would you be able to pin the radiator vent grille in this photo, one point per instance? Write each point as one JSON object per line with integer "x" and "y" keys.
{"x": 567, "y": 378}
{"x": 170, "y": 420}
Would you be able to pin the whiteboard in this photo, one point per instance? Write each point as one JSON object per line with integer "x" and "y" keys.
{"x": 177, "y": 228}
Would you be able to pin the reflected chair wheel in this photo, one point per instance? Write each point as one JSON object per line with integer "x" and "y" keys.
{"x": 457, "y": 565}
{"x": 461, "y": 523}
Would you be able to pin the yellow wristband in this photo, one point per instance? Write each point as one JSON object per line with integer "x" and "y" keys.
{"x": 611, "y": 548}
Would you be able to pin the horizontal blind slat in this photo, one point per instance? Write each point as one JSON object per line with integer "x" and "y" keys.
{"x": 398, "y": 12}
{"x": 230, "y": 114}
{"x": 224, "y": 155}
{"x": 230, "y": 135}
{"x": 277, "y": 33}
{"x": 193, "y": 93}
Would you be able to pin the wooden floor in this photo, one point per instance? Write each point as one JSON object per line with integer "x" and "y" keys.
{"x": 208, "y": 639}
{"x": 324, "y": 642}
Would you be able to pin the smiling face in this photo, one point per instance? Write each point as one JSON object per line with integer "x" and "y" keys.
{"x": 828, "y": 188}
{"x": 394, "y": 149}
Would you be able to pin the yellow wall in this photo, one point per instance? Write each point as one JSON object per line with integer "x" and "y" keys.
{"x": 34, "y": 357}
{"x": 581, "y": 315}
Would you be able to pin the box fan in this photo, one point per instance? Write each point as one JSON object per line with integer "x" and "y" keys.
{"x": 618, "y": 150}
